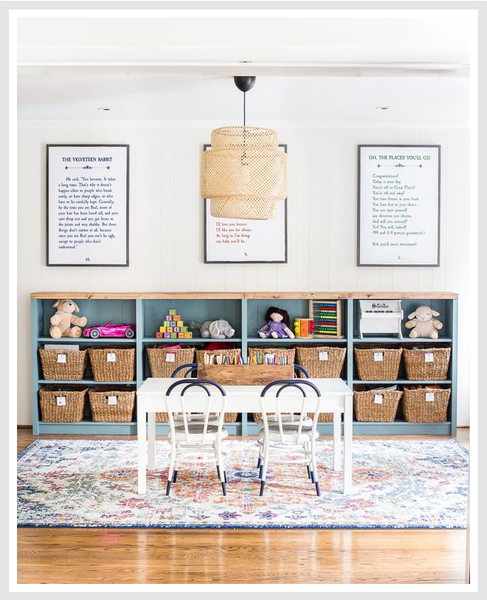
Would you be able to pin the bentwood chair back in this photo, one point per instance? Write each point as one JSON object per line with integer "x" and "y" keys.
{"x": 189, "y": 436}
{"x": 189, "y": 369}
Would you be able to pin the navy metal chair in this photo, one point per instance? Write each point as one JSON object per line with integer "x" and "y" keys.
{"x": 300, "y": 434}
{"x": 191, "y": 369}
{"x": 204, "y": 435}
{"x": 298, "y": 369}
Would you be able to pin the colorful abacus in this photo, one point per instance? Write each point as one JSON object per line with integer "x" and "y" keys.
{"x": 327, "y": 319}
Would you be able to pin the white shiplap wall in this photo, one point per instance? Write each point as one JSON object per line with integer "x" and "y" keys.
{"x": 322, "y": 221}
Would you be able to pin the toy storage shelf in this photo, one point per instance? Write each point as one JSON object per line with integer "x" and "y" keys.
{"x": 195, "y": 340}
{"x": 395, "y": 340}
{"x": 245, "y": 312}
{"x": 85, "y": 340}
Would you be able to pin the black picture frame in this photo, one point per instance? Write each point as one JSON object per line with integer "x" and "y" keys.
{"x": 124, "y": 203}
{"x": 267, "y": 262}
{"x": 437, "y": 178}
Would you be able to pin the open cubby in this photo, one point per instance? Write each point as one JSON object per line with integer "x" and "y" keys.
{"x": 245, "y": 312}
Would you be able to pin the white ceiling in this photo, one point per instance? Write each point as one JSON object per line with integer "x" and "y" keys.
{"x": 309, "y": 70}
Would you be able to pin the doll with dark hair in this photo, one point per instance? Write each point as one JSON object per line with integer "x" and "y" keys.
{"x": 277, "y": 324}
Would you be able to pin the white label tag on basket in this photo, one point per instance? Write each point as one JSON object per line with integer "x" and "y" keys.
{"x": 429, "y": 357}
{"x": 61, "y": 400}
{"x": 323, "y": 355}
{"x": 378, "y": 398}
{"x": 170, "y": 357}
{"x": 111, "y": 357}
{"x": 378, "y": 356}
{"x": 61, "y": 358}
{"x": 112, "y": 400}
{"x": 430, "y": 396}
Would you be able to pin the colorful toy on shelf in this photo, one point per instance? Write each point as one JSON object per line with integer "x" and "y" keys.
{"x": 63, "y": 320}
{"x": 423, "y": 324}
{"x": 219, "y": 329}
{"x": 304, "y": 328}
{"x": 110, "y": 329}
{"x": 173, "y": 327}
{"x": 327, "y": 318}
{"x": 277, "y": 324}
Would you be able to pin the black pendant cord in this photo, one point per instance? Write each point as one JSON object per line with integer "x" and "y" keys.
{"x": 244, "y": 155}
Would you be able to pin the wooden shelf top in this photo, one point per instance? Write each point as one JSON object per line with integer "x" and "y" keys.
{"x": 240, "y": 295}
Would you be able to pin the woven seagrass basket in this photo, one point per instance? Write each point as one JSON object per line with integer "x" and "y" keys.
{"x": 102, "y": 409}
{"x": 159, "y": 364}
{"x": 73, "y": 369}
{"x": 260, "y": 352}
{"x": 121, "y": 369}
{"x": 417, "y": 409}
{"x": 309, "y": 358}
{"x": 70, "y": 411}
{"x": 230, "y": 353}
{"x": 366, "y": 409}
{"x": 427, "y": 363}
{"x": 371, "y": 369}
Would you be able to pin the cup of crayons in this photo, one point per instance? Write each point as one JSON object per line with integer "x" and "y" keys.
{"x": 267, "y": 358}
{"x": 259, "y": 358}
{"x": 222, "y": 359}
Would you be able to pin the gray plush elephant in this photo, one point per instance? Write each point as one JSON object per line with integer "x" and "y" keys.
{"x": 213, "y": 329}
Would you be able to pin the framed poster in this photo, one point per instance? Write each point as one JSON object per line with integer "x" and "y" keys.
{"x": 246, "y": 241}
{"x": 398, "y": 206}
{"x": 87, "y": 205}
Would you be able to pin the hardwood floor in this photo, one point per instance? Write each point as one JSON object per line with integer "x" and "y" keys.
{"x": 144, "y": 556}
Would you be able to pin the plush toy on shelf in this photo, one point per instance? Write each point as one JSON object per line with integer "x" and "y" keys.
{"x": 277, "y": 324}
{"x": 214, "y": 329}
{"x": 63, "y": 320}
{"x": 423, "y": 324}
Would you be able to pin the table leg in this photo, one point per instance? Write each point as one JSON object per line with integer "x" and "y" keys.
{"x": 337, "y": 451}
{"x": 141, "y": 447}
{"x": 151, "y": 435}
{"x": 347, "y": 436}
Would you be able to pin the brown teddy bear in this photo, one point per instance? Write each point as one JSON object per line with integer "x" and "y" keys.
{"x": 423, "y": 324}
{"x": 63, "y": 319}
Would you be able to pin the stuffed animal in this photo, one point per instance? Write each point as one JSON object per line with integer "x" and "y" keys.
{"x": 423, "y": 324}
{"x": 63, "y": 319}
{"x": 277, "y": 324}
{"x": 215, "y": 329}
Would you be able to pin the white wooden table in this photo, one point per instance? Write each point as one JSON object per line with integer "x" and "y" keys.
{"x": 337, "y": 398}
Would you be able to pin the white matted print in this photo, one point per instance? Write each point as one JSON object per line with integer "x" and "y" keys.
{"x": 87, "y": 205}
{"x": 398, "y": 205}
{"x": 239, "y": 241}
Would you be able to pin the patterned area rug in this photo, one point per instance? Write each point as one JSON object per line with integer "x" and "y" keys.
{"x": 93, "y": 483}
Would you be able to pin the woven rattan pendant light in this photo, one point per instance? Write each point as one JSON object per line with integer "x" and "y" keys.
{"x": 244, "y": 173}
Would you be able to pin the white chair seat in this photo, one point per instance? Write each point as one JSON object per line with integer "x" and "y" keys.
{"x": 291, "y": 435}
{"x": 196, "y": 429}
{"x": 196, "y": 417}
{"x": 285, "y": 419}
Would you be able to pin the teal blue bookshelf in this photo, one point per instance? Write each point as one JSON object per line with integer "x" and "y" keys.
{"x": 245, "y": 312}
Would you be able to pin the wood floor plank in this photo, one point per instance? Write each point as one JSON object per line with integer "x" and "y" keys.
{"x": 144, "y": 556}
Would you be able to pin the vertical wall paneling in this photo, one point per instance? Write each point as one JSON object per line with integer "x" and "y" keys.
{"x": 166, "y": 221}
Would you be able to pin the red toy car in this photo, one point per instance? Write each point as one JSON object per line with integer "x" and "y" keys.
{"x": 109, "y": 329}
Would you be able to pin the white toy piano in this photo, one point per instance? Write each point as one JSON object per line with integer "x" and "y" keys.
{"x": 381, "y": 316}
